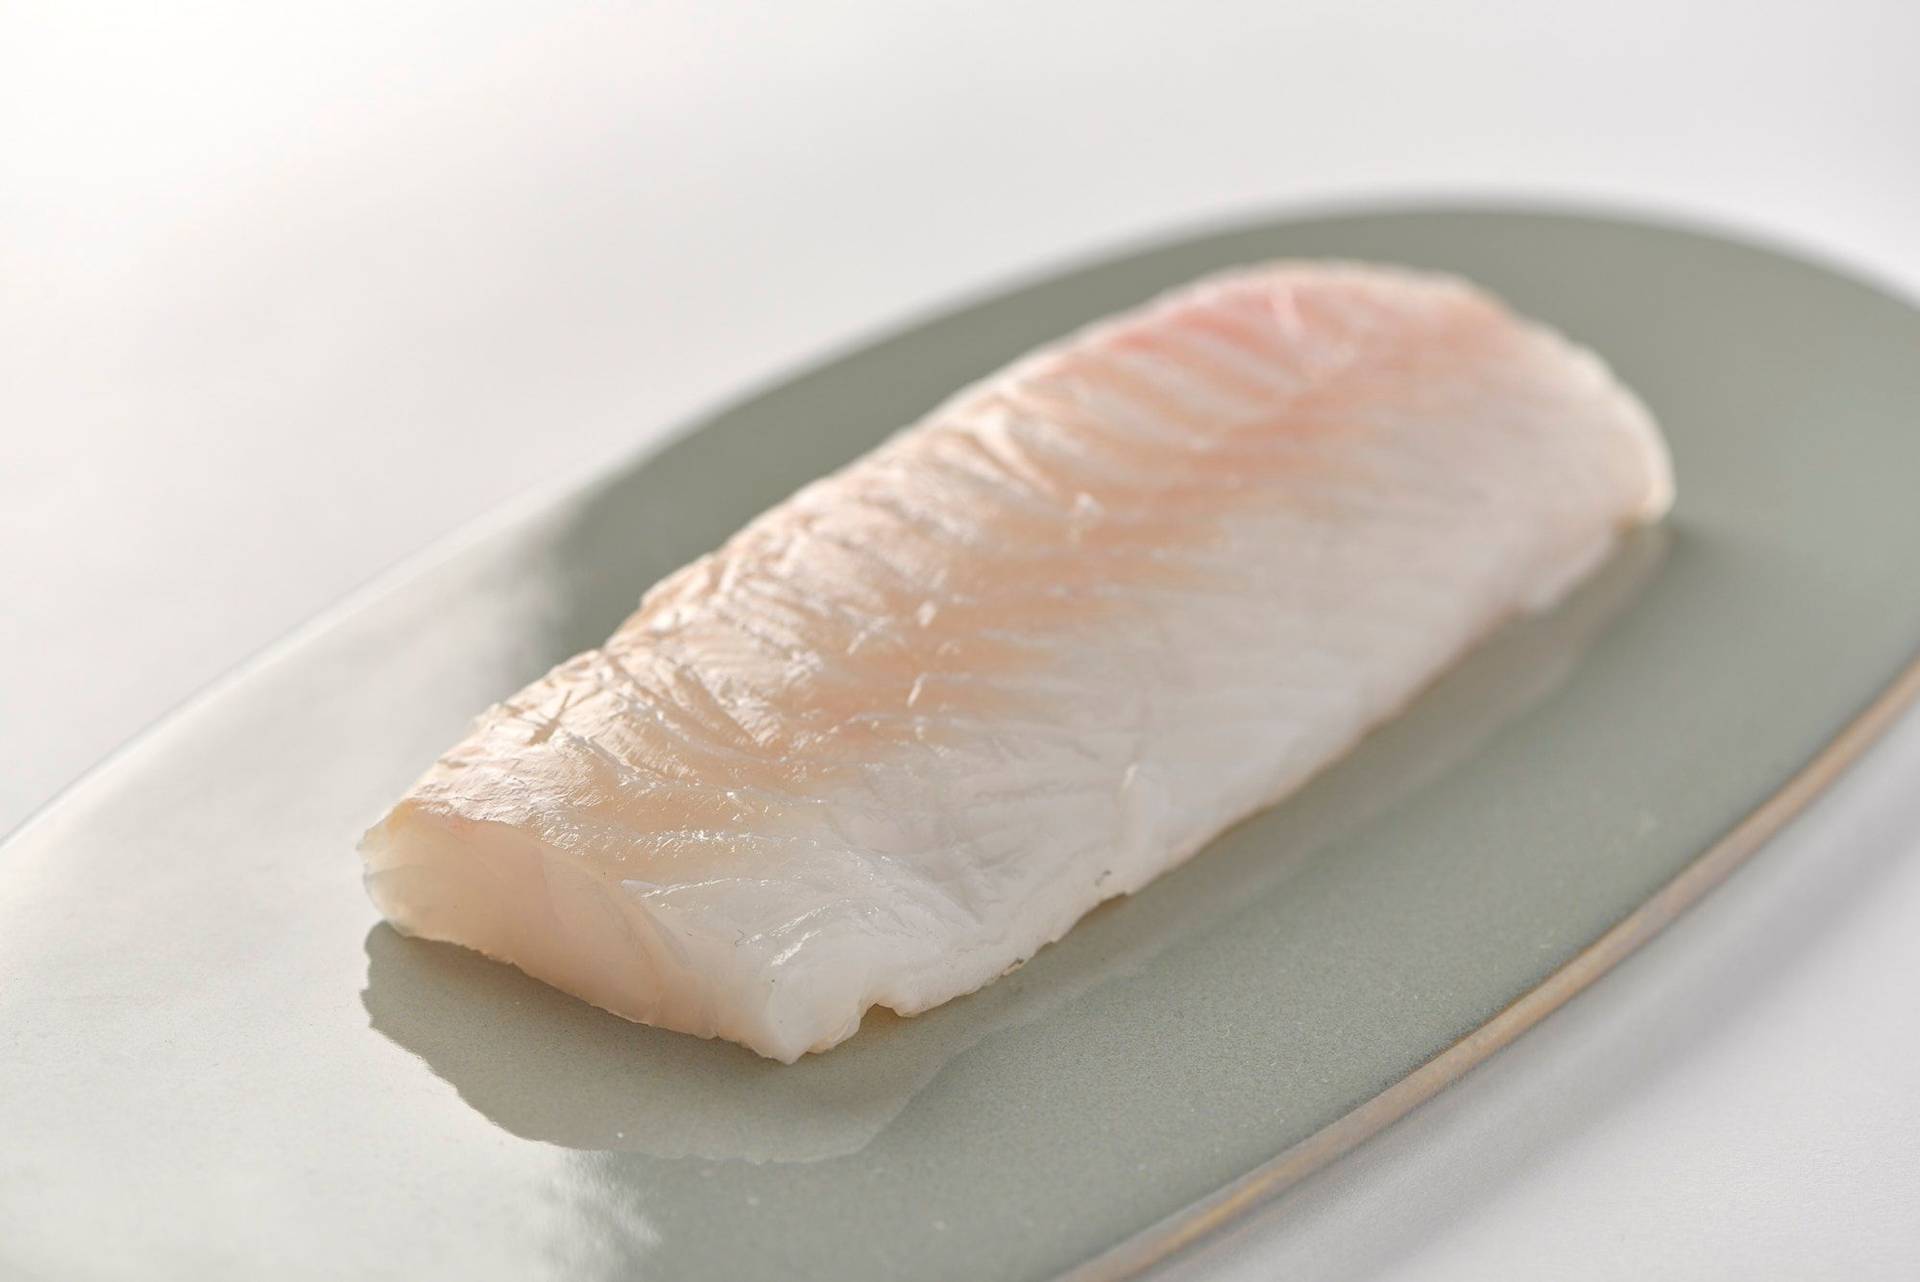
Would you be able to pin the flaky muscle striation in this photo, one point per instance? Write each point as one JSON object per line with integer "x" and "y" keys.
{"x": 908, "y": 726}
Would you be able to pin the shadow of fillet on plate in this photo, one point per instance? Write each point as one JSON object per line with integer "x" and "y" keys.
{"x": 907, "y": 727}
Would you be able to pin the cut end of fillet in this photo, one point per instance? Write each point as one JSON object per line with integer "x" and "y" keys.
{"x": 503, "y": 893}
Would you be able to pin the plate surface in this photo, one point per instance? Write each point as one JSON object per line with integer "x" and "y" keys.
{"x": 214, "y": 1063}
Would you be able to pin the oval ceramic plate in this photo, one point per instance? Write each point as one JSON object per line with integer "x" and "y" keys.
{"x": 215, "y": 1063}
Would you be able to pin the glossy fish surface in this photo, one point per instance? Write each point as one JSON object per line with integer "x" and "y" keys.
{"x": 908, "y": 726}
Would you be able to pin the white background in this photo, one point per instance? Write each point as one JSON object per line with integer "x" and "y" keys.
{"x": 288, "y": 292}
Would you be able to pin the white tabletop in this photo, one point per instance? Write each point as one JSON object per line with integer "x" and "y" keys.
{"x": 286, "y": 295}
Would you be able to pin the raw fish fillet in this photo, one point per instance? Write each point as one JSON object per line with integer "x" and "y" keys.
{"x": 907, "y": 727}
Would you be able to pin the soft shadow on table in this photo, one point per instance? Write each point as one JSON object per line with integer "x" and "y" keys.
{"x": 547, "y": 1067}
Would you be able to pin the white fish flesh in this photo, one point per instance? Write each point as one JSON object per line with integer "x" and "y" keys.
{"x": 907, "y": 727}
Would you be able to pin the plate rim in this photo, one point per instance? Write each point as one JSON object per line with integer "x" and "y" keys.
{"x": 1133, "y": 1257}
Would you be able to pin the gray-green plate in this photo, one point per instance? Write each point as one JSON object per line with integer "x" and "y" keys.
{"x": 214, "y": 1063}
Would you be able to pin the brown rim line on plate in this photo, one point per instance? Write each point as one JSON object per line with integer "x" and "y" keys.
{"x": 1267, "y": 1182}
